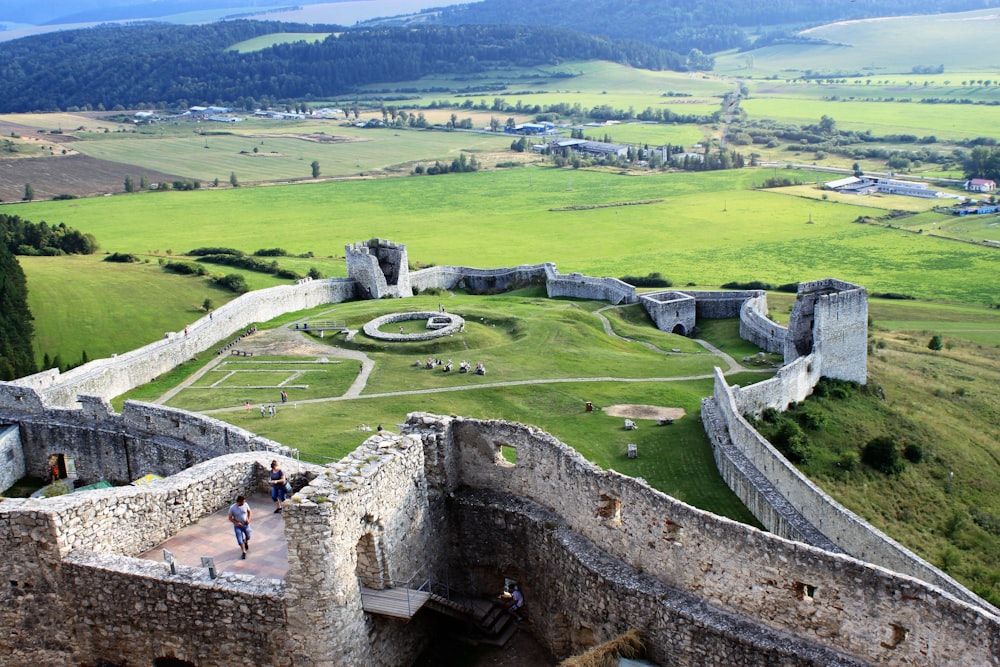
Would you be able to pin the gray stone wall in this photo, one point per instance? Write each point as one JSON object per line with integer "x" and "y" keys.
{"x": 12, "y": 466}
{"x": 143, "y": 439}
{"x": 672, "y": 312}
{"x": 116, "y": 375}
{"x": 579, "y": 286}
{"x": 721, "y": 305}
{"x": 832, "y": 600}
{"x": 375, "y": 502}
{"x": 577, "y": 595}
{"x": 756, "y": 327}
{"x": 841, "y": 334}
{"x": 480, "y": 281}
{"x": 787, "y": 485}
{"x": 75, "y": 593}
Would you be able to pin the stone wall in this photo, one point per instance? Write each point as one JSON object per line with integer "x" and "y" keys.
{"x": 673, "y": 312}
{"x": 721, "y": 305}
{"x": 77, "y": 594}
{"x": 373, "y": 514}
{"x": 832, "y": 314}
{"x": 143, "y": 439}
{"x": 118, "y": 374}
{"x": 579, "y": 286}
{"x": 12, "y": 467}
{"x": 480, "y": 281}
{"x": 757, "y": 328}
{"x": 577, "y": 595}
{"x": 787, "y": 486}
{"x": 836, "y": 601}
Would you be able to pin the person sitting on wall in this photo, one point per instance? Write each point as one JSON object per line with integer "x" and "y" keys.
{"x": 278, "y": 488}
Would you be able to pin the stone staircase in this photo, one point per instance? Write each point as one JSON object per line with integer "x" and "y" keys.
{"x": 486, "y": 621}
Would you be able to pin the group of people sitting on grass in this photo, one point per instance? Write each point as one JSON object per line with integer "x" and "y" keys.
{"x": 448, "y": 366}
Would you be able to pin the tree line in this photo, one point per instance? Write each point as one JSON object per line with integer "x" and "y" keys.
{"x": 23, "y": 237}
{"x": 176, "y": 66}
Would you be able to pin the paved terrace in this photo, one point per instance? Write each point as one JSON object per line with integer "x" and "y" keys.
{"x": 213, "y": 536}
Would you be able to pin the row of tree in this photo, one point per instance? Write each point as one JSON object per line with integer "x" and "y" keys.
{"x": 101, "y": 68}
{"x": 23, "y": 237}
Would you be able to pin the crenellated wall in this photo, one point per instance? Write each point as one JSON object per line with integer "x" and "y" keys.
{"x": 579, "y": 286}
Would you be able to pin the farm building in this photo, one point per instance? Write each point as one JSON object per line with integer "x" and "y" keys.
{"x": 531, "y": 128}
{"x": 866, "y": 185}
{"x": 591, "y": 148}
{"x": 976, "y": 208}
{"x": 980, "y": 185}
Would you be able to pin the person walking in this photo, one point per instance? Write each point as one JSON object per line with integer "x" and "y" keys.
{"x": 239, "y": 516}
{"x": 278, "y": 486}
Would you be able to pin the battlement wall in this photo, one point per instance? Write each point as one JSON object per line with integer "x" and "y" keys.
{"x": 579, "y": 286}
{"x": 838, "y": 524}
{"x": 714, "y": 305}
{"x": 726, "y": 563}
{"x": 480, "y": 281}
{"x": 143, "y": 439}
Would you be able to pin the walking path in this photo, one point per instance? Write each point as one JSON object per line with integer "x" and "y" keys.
{"x": 284, "y": 341}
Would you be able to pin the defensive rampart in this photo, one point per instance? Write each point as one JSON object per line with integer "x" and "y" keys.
{"x": 821, "y": 598}
{"x": 756, "y": 327}
{"x": 392, "y": 506}
{"x": 116, "y": 375}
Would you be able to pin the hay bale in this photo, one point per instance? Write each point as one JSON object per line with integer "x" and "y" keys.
{"x": 628, "y": 645}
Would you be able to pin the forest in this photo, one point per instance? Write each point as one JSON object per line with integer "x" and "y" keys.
{"x": 682, "y": 25}
{"x": 177, "y": 66}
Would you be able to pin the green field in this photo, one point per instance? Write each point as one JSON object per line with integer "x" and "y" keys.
{"x": 966, "y": 41}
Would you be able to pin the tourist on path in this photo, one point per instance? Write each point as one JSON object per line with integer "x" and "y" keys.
{"x": 239, "y": 516}
{"x": 278, "y": 481}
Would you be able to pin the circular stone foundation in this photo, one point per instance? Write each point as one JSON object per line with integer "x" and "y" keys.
{"x": 438, "y": 325}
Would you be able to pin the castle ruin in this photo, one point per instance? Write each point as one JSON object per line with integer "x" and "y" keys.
{"x": 597, "y": 552}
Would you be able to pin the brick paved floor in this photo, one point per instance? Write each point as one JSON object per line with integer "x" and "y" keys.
{"x": 213, "y": 536}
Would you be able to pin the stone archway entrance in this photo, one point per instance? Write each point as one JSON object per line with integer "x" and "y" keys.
{"x": 679, "y": 329}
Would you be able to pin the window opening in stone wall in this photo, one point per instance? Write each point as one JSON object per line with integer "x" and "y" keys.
{"x": 805, "y": 591}
{"x": 899, "y": 635}
{"x": 504, "y": 456}
{"x": 611, "y": 509}
{"x": 371, "y": 571}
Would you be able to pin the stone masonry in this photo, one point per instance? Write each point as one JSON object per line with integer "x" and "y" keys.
{"x": 596, "y": 552}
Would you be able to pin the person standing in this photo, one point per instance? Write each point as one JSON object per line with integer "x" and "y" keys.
{"x": 239, "y": 516}
{"x": 278, "y": 488}
{"x": 284, "y": 396}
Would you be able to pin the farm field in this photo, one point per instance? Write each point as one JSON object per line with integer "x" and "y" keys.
{"x": 705, "y": 229}
{"x": 964, "y": 41}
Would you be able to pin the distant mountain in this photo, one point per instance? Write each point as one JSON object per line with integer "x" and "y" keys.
{"x": 166, "y": 66}
{"x": 87, "y": 11}
{"x": 681, "y": 25}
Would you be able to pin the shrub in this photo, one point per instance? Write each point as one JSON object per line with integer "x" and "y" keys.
{"x": 882, "y": 454}
{"x": 935, "y": 343}
{"x": 271, "y": 252}
{"x": 811, "y": 418}
{"x": 233, "y": 282}
{"x": 123, "y": 257}
{"x": 654, "y": 279}
{"x": 791, "y": 441}
{"x": 201, "y": 252}
{"x": 185, "y": 268}
{"x": 753, "y": 284}
{"x": 913, "y": 452}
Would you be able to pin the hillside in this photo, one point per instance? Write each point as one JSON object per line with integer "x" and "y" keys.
{"x": 100, "y": 68}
